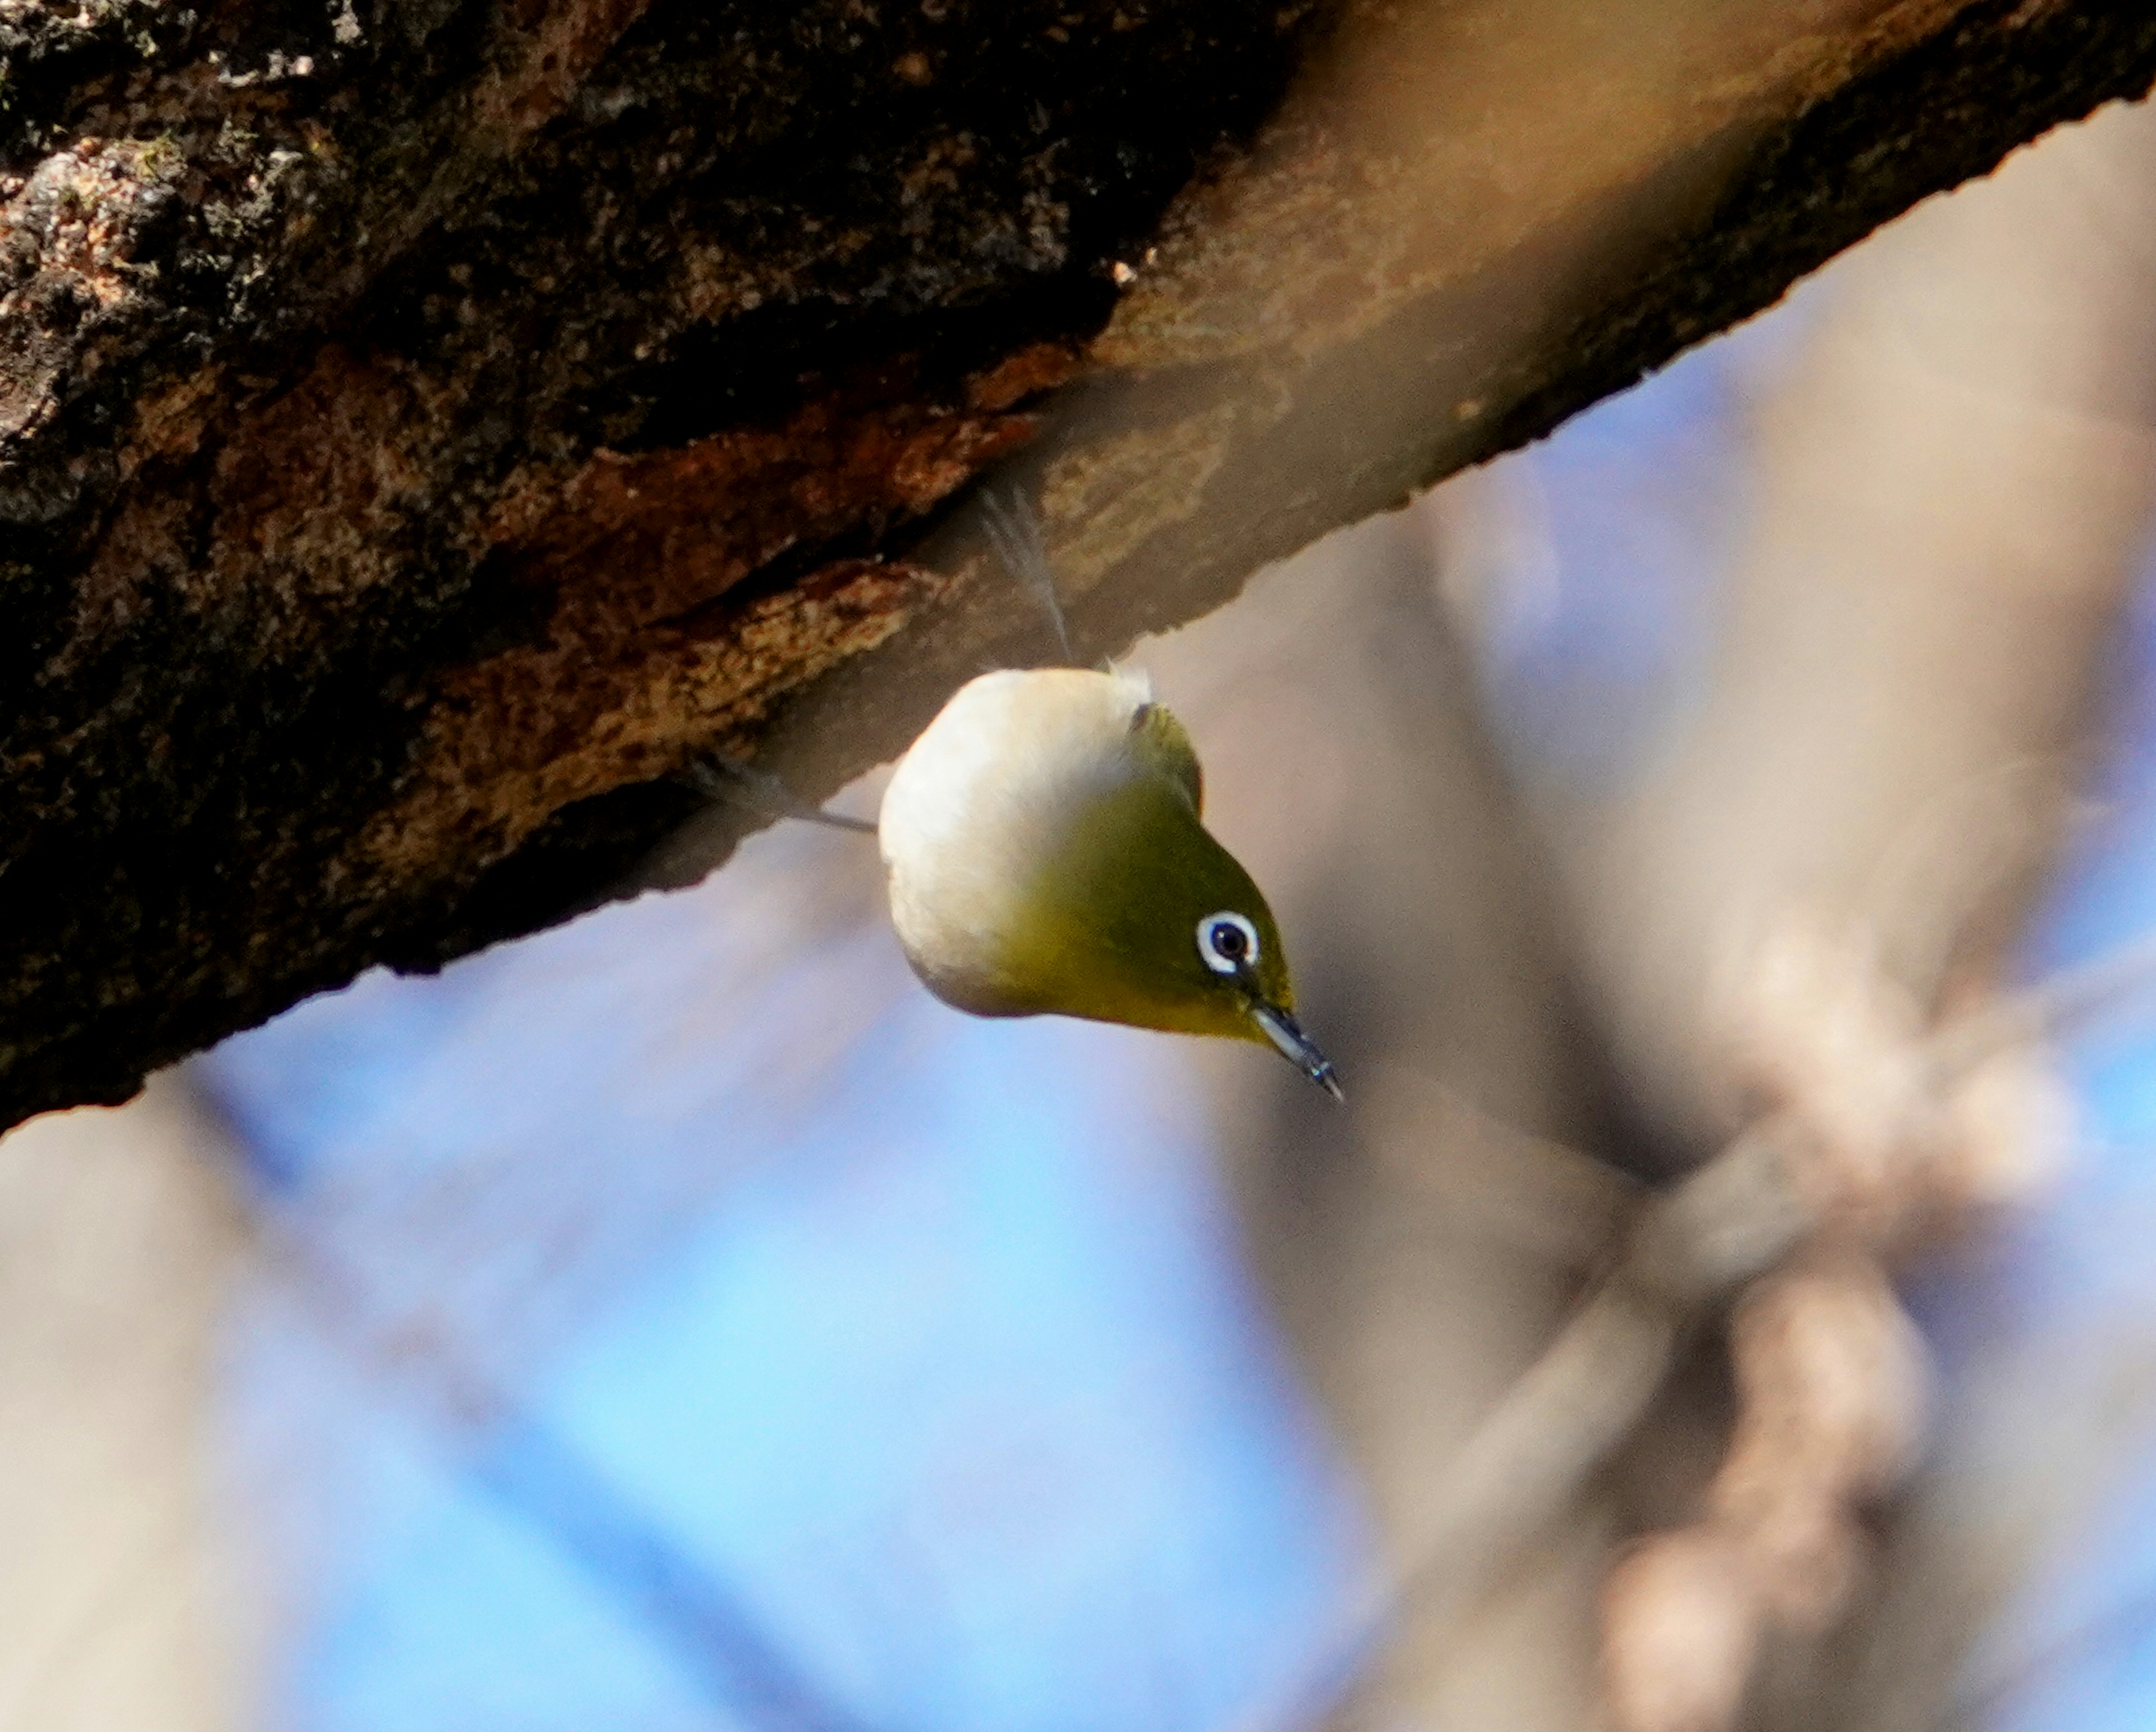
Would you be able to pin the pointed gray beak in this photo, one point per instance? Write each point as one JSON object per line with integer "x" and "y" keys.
{"x": 1298, "y": 1047}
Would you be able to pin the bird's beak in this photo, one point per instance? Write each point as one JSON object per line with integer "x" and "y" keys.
{"x": 1297, "y": 1047}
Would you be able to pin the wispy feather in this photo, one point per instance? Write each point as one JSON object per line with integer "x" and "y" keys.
{"x": 1014, "y": 528}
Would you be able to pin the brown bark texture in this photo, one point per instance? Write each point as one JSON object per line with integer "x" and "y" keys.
{"x": 426, "y": 425}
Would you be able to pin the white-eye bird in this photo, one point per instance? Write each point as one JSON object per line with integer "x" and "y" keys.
{"x": 1045, "y": 853}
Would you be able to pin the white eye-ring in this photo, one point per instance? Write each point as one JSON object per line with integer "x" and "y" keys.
{"x": 1227, "y": 941}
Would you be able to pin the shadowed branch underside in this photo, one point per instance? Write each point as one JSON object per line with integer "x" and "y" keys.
{"x": 426, "y": 429}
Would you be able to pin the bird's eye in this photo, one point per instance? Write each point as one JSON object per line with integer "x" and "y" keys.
{"x": 1227, "y": 941}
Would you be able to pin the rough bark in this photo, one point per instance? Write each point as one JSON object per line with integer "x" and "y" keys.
{"x": 425, "y": 426}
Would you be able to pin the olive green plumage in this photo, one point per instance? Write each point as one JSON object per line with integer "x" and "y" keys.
{"x": 1045, "y": 853}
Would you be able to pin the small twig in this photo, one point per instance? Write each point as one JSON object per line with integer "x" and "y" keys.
{"x": 1557, "y": 1424}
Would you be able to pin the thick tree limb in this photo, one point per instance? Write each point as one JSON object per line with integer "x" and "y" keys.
{"x": 425, "y": 427}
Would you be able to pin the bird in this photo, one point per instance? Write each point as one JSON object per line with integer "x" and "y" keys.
{"x": 1044, "y": 852}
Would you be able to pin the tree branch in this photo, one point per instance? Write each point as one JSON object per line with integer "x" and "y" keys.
{"x": 423, "y": 428}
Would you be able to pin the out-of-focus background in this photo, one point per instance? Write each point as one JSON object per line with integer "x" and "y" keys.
{"x": 678, "y": 1320}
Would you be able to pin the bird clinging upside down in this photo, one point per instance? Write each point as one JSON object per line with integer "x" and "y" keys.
{"x": 1044, "y": 853}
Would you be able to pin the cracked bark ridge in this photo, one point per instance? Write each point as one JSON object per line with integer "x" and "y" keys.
{"x": 424, "y": 425}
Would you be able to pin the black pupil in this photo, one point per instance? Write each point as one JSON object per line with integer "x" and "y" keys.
{"x": 1229, "y": 940}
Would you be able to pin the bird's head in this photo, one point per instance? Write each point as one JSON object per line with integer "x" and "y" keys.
{"x": 1103, "y": 896}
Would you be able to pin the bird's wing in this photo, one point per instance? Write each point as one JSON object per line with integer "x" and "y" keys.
{"x": 1162, "y": 745}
